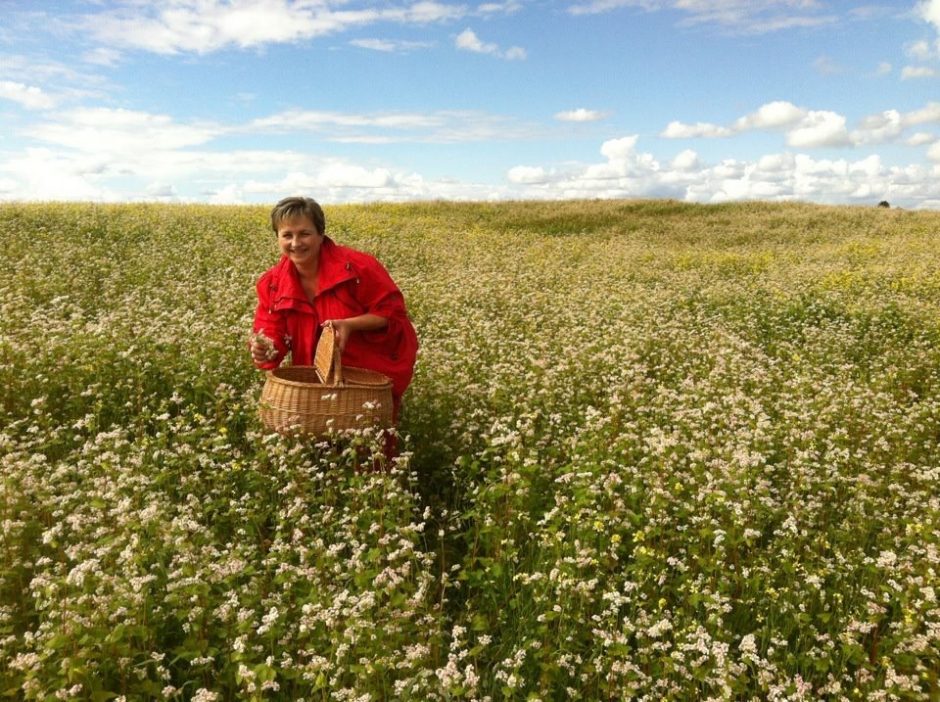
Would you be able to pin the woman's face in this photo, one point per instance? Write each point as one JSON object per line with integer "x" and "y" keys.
{"x": 298, "y": 239}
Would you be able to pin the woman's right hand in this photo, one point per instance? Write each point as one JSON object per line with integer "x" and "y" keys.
{"x": 262, "y": 348}
{"x": 259, "y": 354}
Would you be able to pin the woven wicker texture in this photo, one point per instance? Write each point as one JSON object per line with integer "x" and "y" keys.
{"x": 294, "y": 400}
{"x": 324, "y": 356}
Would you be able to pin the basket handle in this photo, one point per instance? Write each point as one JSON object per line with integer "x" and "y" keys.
{"x": 327, "y": 358}
{"x": 337, "y": 367}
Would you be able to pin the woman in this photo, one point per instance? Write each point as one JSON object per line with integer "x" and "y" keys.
{"x": 318, "y": 282}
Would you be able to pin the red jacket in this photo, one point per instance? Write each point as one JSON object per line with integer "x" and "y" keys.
{"x": 349, "y": 283}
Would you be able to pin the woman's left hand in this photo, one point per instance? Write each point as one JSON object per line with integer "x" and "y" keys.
{"x": 341, "y": 328}
{"x": 363, "y": 323}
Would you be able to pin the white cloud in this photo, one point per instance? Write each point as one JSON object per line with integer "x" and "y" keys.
{"x": 105, "y": 130}
{"x": 444, "y": 126}
{"x": 884, "y": 68}
{"x": 391, "y": 45}
{"x": 595, "y": 7}
{"x": 686, "y": 161}
{"x": 819, "y": 128}
{"x": 812, "y": 128}
{"x": 204, "y": 26}
{"x": 467, "y": 40}
{"x": 933, "y": 153}
{"x": 580, "y": 115}
{"x": 295, "y": 120}
{"x": 102, "y": 56}
{"x": 921, "y": 51}
{"x": 527, "y": 175}
{"x": 879, "y": 128}
{"x": 826, "y": 65}
{"x": 28, "y": 96}
{"x": 626, "y": 172}
{"x": 58, "y": 82}
{"x": 341, "y": 174}
{"x": 930, "y": 113}
{"x": 425, "y": 13}
{"x": 909, "y": 72}
{"x": 495, "y": 8}
{"x": 773, "y": 115}
{"x": 681, "y": 130}
{"x": 920, "y": 139}
{"x": 43, "y": 174}
{"x": 872, "y": 12}
{"x": 623, "y": 170}
{"x": 161, "y": 191}
{"x": 113, "y": 154}
{"x": 930, "y": 11}
{"x": 738, "y": 16}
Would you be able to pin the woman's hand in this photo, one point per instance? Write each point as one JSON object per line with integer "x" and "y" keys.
{"x": 341, "y": 330}
{"x": 262, "y": 348}
{"x": 344, "y": 327}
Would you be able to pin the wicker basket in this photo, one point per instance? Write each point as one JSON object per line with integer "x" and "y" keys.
{"x": 325, "y": 397}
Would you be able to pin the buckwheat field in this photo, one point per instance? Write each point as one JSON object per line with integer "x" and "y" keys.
{"x": 652, "y": 451}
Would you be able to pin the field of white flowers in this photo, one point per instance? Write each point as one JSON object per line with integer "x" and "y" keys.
{"x": 653, "y": 451}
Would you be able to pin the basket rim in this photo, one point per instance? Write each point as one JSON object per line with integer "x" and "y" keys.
{"x": 382, "y": 379}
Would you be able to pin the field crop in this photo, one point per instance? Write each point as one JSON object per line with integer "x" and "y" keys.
{"x": 652, "y": 451}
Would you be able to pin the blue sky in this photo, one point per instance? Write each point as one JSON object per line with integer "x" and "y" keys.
{"x": 349, "y": 101}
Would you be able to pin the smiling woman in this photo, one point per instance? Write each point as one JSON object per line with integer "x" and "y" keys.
{"x": 318, "y": 282}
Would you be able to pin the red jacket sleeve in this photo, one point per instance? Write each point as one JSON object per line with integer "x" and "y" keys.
{"x": 270, "y": 322}
{"x": 379, "y": 295}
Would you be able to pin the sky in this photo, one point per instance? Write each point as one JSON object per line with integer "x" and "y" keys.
{"x": 249, "y": 101}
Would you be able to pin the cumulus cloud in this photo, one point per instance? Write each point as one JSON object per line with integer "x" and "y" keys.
{"x": 773, "y": 115}
{"x": 819, "y": 128}
{"x": 930, "y": 11}
{"x": 527, "y": 175}
{"x": 681, "y": 130}
{"x": 580, "y": 115}
{"x": 184, "y": 170}
{"x": 627, "y": 172}
{"x": 879, "y": 128}
{"x": 751, "y": 17}
{"x": 686, "y": 161}
{"x": 467, "y": 40}
{"x": 811, "y": 128}
{"x": 28, "y": 96}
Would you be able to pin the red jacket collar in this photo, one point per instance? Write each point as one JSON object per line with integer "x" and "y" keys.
{"x": 334, "y": 267}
